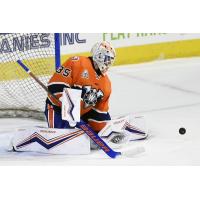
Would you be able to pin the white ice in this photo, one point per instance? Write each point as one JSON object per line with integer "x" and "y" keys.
{"x": 166, "y": 92}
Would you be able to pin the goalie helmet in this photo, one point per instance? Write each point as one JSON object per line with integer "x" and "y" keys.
{"x": 103, "y": 55}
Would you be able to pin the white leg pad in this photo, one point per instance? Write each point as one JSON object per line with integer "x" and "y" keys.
{"x": 51, "y": 141}
{"x": 130, "y": 127}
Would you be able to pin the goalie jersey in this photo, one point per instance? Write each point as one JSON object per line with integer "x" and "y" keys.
{"x": 79, "y": 73}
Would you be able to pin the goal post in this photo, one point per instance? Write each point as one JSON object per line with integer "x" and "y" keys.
{"x": 20, "y": 95}
{"x": 57, "y": 50}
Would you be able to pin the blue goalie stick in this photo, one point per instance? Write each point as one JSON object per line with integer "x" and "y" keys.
{"x": 82, "y": 125}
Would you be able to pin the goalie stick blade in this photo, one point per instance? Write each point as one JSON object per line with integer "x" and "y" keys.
{"x": 94, "y": 136}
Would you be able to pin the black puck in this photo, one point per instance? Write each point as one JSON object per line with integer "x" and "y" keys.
{"x": 182, "y": 131}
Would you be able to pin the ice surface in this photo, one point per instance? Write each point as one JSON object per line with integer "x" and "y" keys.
{"x": 166, "y": 92}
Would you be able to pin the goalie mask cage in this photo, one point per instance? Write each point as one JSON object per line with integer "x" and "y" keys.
{"x": 20, "y": 95}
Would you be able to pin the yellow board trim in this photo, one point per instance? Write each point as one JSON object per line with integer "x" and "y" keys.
{"x": 125, "y": 55}
{"x": 145, "y": 53}
{"x": 39, "y": 66}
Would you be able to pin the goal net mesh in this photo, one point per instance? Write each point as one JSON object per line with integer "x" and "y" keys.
{"x": 20, "y": 94}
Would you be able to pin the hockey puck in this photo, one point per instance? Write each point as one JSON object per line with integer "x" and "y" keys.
{"x": 182, "y": 131}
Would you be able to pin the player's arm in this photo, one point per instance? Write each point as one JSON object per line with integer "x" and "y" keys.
{"x": 61, "y": 79}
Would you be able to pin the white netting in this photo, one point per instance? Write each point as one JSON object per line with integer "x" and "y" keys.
{"x": 18, "y": 91}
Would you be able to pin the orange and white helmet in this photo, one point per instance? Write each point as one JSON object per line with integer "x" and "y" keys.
{"x": 103, "y": 55}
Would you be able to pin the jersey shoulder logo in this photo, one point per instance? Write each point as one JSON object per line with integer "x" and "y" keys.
{"x": 91, "y": 96}
{"x": 75, "y": 58}
{"x": 85, "y": 74}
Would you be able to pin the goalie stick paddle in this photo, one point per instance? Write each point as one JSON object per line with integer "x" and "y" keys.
{"x": 82, "y": 125}
{"x": 94, "y": 136}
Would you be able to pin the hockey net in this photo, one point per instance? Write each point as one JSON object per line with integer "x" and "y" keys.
{"x": 21, "y": 95}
